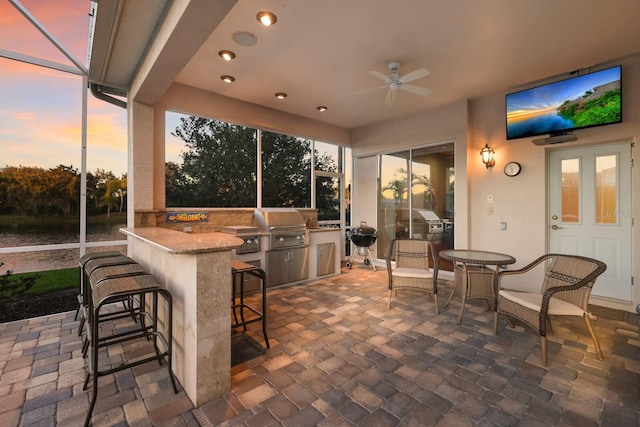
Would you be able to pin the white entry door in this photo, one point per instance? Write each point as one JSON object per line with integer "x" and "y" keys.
{"x": 590, "y": 211}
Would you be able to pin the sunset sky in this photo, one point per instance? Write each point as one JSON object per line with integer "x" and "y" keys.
{"x": 40, "y": 109}
{"x": 545, "y": 98}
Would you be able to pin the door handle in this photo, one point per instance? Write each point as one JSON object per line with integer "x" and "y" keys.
{"x": 555, "y": 227}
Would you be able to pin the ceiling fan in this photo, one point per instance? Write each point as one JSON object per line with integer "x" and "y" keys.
{"x": 395, "y": 81}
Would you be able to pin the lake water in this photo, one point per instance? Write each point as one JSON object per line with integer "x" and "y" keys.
{"x": 538, "y": 125}
{"x": 21, "y": 262}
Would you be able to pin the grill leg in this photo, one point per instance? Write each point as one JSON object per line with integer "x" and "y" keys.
{"x": 370, "y": 259}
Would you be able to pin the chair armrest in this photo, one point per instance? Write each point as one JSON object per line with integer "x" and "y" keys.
{"x": 591, "y": 278}
{"x": 436, "y": 266}
{"x": 387, "y": 258}
{"x": 498, "y": 277}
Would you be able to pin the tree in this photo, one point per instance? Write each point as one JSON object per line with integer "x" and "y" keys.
{"x": 25, "y": 189}
{"x": 34, "y": 191}
{"x": 63, "y": 190}
{"x": 112, "y": 196}
{"x": 286, "y": 168}
{"x": 97, "y": 188}
{"x": 122, "y": 192}
{"x": 219, "y": 168}
{"x": 176, "y": 185}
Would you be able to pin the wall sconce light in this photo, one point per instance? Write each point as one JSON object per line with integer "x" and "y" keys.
{"x": 487, "y": 156}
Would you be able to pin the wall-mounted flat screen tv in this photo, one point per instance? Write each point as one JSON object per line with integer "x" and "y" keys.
{"x": 588, "y": 100}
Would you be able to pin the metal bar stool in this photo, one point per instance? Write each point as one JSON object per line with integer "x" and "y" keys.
{"x": 81, "y": 276}
{"x": 132, "y": 307}
{"x": 238, "y": 269}
{"x": 91, "y": 263}
{"x": 116, "y": 289}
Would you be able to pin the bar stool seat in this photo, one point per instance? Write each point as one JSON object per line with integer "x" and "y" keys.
{"x": 81, "y": 276}
{"x": 114, "y": 289}
{"x": 131, "y": 306}
{"x": 238, "y": 269}
{"x": 91, "y": 263}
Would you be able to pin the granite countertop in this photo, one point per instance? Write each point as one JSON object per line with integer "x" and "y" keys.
{"x": 177, "y": 242}
{"x": 320, "y": 229}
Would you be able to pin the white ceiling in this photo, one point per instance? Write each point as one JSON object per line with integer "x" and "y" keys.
{"x": 321, "y": 52}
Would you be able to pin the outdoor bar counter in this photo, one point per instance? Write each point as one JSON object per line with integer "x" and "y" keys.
{"x": 196, "y": 269}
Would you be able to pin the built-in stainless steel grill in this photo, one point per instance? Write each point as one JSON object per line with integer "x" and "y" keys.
{"x": 284, "y": 226}
{"x": 287, "y": 255}
{"x": 247, "y": 233}
{"x": 435, "y": 226}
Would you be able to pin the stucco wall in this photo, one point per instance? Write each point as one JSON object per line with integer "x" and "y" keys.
{"x": 521, "y": 202}
{"x": 189, "y": 100}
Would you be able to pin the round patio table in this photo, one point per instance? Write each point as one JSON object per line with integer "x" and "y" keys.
{"x": 472, "y": 274}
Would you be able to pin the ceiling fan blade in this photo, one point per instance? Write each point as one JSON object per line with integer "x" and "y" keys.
{"x": 362, "y": 92}
{"x": 379, "y": 75}
{"x": 418, "y": 90}
{"x": 391, "y": 96}
{"x": 414, "y": 75}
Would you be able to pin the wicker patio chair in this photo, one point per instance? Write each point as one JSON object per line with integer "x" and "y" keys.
{"x": 412, "y": 267}
{"x": 566, "y": 288}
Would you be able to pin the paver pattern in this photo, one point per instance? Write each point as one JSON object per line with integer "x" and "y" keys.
{"x": 339, "y": 357}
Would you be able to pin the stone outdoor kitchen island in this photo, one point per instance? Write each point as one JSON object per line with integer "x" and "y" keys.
{"x": 196, "y": 269}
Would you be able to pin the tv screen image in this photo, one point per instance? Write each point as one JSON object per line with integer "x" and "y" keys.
{"x": 578, "y": 102}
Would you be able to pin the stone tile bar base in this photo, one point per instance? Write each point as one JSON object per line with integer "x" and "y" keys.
{"x": 196, "y": 269}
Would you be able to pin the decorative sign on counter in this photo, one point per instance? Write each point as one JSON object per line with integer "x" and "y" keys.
{"x": 187, "y": 217}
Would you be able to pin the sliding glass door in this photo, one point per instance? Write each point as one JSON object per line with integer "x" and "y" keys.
{"x": 415, "y": 196}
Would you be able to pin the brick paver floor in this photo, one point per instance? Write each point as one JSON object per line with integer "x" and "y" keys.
{"x": 339, "y": 357}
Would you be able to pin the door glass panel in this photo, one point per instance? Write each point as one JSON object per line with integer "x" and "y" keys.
{"x": 570, "y": 190}
{"x": 393, "y": 196}
{"x": 421, "y": 191}
{"x": 606, "y": 189}
{"x": 347, "y": 167}
{"x": 422, "y": 197}
{"x": 420, "y": 207}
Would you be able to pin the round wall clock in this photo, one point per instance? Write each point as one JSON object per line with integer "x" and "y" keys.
{"x": 512, "y": 168}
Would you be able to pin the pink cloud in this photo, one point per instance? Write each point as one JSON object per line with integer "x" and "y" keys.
{"x": 66, "y": 21}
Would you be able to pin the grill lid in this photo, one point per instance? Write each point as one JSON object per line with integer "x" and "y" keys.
{"x": 363, "y": 230}
{"x": 239, "y": 230}
{"x": 273, "y": 219}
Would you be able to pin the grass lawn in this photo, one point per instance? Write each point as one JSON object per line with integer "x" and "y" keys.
{"x": 51, "y": 280}
{"x": 15, "y": 220}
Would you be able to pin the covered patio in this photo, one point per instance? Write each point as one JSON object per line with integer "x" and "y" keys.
{"x": 339, "y": 357}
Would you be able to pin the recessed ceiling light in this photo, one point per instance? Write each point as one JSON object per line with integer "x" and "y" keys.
{"x": 228, "y": 79}
{"x": 321, "y": 108}
{"x": 244, "y": 38}
{"x": 281, "y": 95}
{"x": 227, "y": 55}
{"x": 267, "y": 18}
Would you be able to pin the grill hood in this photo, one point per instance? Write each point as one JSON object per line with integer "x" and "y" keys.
{"x": 270, "y": 219}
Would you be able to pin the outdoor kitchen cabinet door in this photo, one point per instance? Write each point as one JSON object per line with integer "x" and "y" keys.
{"x": 287, "y": 265}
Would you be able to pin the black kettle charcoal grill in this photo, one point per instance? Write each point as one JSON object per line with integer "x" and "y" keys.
{"x": 362, "y": 237}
